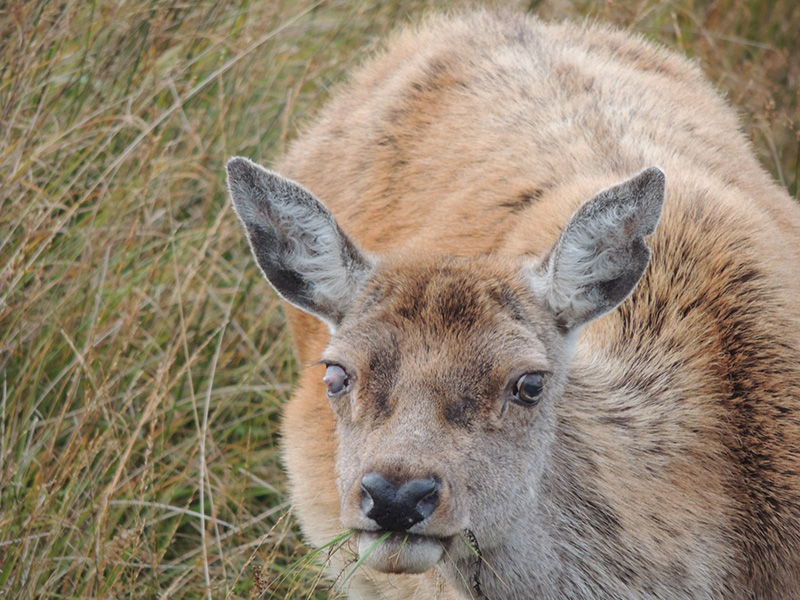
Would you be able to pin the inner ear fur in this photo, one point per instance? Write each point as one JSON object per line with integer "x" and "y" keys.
{"x": 601, "y": 253}
{"x": 296, "y": 242}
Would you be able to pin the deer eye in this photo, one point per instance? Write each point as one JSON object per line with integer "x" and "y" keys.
{"x": 336, "y": 380}
{"x": 529, "y": 388}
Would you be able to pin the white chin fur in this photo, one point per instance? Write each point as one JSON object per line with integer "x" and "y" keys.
{"x": 400, "y": 552}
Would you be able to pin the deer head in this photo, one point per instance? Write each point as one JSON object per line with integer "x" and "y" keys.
{"x": 443, "y": 372}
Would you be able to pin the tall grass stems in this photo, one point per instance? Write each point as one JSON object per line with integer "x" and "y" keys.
{"x": 143, "y": 361}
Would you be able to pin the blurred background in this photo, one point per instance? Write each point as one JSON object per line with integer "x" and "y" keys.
{"x": 143, "y": 360}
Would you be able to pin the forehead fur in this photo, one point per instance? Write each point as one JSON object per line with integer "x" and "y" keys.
{"x": 451, "y": 297}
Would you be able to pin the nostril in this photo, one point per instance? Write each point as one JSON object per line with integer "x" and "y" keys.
{"x": 427, "y": 504}
{"x": 376, "y": 490}
{"x": 422, "y": 494}
{"x": 367, "y": 503}
{"x": 398, "y": 509}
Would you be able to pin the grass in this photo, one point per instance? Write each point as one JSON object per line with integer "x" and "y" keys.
{"x": 143, "y": 362}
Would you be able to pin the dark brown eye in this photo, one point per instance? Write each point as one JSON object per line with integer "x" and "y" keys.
{"x": 528, "y": 388}
{"x": 336, "y": 380}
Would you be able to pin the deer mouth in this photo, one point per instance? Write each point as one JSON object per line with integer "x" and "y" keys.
{"x": 400, "y": 552}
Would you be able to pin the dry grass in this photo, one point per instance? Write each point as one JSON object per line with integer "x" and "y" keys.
{"x": 143, "y": 362}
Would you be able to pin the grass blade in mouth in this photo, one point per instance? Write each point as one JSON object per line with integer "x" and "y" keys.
{"x": 366, "y": 554}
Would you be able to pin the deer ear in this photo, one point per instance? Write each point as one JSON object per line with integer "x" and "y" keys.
{"x": 601, "y": 254}
{"x": 300, "y": 248}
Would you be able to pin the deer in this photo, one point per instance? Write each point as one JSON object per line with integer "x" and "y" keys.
{"x": 546, "y": 300}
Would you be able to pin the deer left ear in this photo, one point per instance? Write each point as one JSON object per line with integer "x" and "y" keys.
{"x": 601, "y": 254}
{"x": 300, "y": 248}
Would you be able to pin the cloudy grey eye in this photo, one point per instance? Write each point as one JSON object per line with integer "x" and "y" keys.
{"x": 336, "y": 380}
{"x": 528, "y": 388}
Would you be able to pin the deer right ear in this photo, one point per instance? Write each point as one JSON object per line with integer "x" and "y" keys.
{"x": 601, "y": 254}
{"x": 297, "y": 243}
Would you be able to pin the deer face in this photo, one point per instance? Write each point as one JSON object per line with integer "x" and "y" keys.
{"x": 443, "y": 373}
{"x": 442, "y": 379}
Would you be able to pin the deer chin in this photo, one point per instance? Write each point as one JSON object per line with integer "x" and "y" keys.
{"x": 400, "y": 552}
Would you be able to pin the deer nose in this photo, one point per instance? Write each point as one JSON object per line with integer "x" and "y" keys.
{"x": 398, "y": 508}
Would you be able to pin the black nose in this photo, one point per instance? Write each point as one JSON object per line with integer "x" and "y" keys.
{"x": 398, "y": 508}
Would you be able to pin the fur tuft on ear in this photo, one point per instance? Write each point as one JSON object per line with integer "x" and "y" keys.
{"x": 601, "y": 254}
{"x": 300, "y": 248}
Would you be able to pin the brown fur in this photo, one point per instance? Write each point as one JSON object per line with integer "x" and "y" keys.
{"x": 675, "y": 451}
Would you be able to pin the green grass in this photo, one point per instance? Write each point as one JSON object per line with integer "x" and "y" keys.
{"x": 143, "y": 362}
